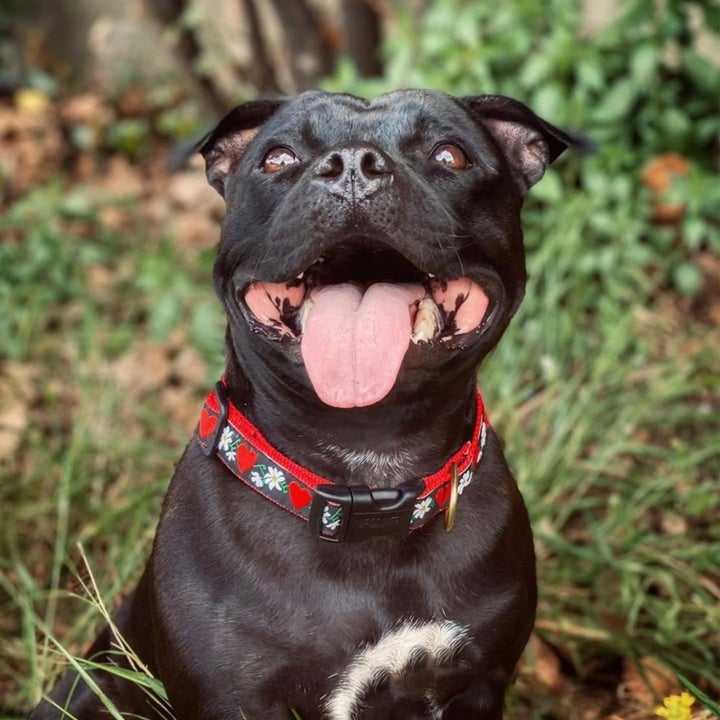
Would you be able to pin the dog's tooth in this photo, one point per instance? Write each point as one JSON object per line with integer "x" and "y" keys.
{"x": 427, "y": 321}
{"x": 305, "y": 310}
{"x": 431, "y": 275}
{"x": 300, "y": 275}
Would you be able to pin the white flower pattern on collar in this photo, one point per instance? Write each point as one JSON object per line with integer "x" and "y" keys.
{"x": 422, "y": 508}
{"x": 464, "y": 481}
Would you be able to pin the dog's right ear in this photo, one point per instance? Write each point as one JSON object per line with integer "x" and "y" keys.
{"x": 224, "y": 147}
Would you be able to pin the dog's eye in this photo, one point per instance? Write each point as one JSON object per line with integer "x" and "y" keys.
{"x": 450, "y": 155}
{"x": 278, "y": 159}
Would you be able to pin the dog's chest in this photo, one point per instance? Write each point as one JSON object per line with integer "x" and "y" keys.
{"x": 369, "y": 462}
{"x": 415, "y": 665}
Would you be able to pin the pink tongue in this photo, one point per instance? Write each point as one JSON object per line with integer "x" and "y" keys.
{"x": 353, "y": 343}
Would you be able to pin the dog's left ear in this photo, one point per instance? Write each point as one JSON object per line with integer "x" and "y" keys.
{"x": 528, "y": 142}
{"x": 224, "y": 147}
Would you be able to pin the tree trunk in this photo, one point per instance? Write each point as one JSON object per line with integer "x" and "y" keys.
{"x": 363, "y": 33}
{"x": 309, "y": 55}
{"x": 169, "y": 13}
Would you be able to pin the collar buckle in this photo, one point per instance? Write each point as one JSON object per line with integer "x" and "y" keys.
{"x": 351, "y": 513}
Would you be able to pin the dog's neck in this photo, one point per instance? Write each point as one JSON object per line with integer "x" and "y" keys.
{"x": 364, "y": 463}
{"x": 375, "y": 446}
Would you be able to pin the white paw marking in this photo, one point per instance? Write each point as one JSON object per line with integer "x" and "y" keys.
{"x": 392, "y": 654}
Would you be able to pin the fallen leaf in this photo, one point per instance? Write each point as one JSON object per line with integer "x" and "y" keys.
{"x": 190, "y": 191}
{"x": 113, "y": 218}
{"x": 86, "y": 108}
{"x": 193, "y": 233}
{"x": 143, "y": 369}
{"x": 189, "y": 367}
{"x": 133, "y": 102}
{"x": 182, "y": 407}
{"x": 673, "y": 524}
{"x": 13, "y": 418}
{"x": 123, "y": 179}
{"x": 660, "y": 174}
{"x": 99, "y": 281}
{"x": 543, "y": 665}
{"x": 646, "y": 681}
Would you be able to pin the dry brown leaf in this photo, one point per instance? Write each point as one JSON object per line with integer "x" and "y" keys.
{"x": 189, "y": 367}
{"x": 133, "y": 102}
{"x": 659, "y": 175}
{"x": 13, "y": 418}
{"x": 646, "y": 682}
{"x": 113, "y": 218}
{"x": 86, "y": 109}
{"x": 123, "y": 179}
{"x": 177, "y": 340}
{"x": 661, "y": 170}
{"x": 193, "y": 233}
{"x": 707, "y": 303}
{"x": 190, "y": 191}
{"x": 544, "y": 665}
{"x": 587, "y": 708}
{"x": 143, "y": 369}
{"x": 24, "y": 378}
{"x": 182, "y": 407}
{"x": 99, "y": 280}
{"x": 86, "y": 167}
{"x": 673, "y": 524}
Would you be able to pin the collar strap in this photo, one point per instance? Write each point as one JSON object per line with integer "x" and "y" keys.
{"x": 337, "y": 513}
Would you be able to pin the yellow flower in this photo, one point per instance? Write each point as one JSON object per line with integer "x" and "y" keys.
{"x": 676, "y": 707}
{"x": 31, "y": 101}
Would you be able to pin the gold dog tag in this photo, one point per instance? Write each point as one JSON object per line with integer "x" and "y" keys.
{"x": 452, "y": 503}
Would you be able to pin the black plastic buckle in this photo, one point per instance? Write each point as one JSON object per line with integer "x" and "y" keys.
{"x": 209, "y": 443}
{"x": 364, "y": 512}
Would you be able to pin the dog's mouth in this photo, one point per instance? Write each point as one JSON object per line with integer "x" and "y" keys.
{"x": 357, "y": 310}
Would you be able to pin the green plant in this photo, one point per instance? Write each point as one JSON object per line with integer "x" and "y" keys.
{"x": 75, "y": 299}
{"x": 43, "y": 263}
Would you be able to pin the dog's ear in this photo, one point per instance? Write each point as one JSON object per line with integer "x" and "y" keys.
{"x": 224, "y": 147}
{"x": 528, "y": 142}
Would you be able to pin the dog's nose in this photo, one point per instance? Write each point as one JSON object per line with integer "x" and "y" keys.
{"x": 355, "y": 173}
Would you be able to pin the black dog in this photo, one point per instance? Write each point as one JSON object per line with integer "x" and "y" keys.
{"x": 371, "y": 257}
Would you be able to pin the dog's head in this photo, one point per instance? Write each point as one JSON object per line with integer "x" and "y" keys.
{"x": 368, "y": 244}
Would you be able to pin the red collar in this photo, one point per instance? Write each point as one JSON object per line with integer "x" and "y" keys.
{"x": 336, "y": 512}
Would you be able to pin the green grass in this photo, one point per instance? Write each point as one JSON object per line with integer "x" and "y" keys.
{"x": 93, "y": 459}
{"x": 612, "y": 426}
